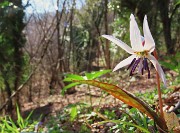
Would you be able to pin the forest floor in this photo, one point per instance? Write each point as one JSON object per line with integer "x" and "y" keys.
{"x": 52, "y": 104}
{"x": 132, "y": 84}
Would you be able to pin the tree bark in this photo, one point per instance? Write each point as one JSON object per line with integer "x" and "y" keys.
{"x": 166, "y": 21}
{"x": 107, "y": 51}
{"x": 9, "y": 93}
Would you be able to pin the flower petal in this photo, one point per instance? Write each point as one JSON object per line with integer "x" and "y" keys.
{"x": 125, "y": 62}
{"x": 119, "y": 43}
{"x": 135, "y": 36}
{"x": 140, "y": 66}
{"x": 158, "y": 68}
{"x": 149, "y": 41}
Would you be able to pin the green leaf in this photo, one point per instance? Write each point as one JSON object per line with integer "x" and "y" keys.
{"x": 27, "y": 119}
{"x": 67, "y": 87}
{"x": 168, "y": 65}
{"x": 20, "y": 120}
{"x": 96, "y": 74}
{"x": 73, "y": 113}
{"x": 89, "y": 75}
{"x": 8, "y": 127}
{"x": 4, "y": 4}
{"x": 126, "y": 123}
{"x": 71, "y": 77}
{"x": 12, "y": 123}
{"x": 178, "y": 2}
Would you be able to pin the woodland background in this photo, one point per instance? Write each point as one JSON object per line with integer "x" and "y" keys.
{"x": 37, "y": 49}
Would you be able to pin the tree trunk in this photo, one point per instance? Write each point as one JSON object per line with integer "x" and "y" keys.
{"x": 107, "y": 51}
{"x": 10, "y": 104}
{"x": 164, "y": 13}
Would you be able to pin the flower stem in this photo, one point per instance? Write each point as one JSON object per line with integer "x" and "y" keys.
{"x": 159, "y": 89}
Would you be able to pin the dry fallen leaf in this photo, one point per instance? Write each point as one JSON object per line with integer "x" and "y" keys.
{"x": 176, "y": 129}
{"x": 171, "y": 120}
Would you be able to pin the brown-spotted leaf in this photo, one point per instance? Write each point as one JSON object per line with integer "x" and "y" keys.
{"x": 127, "y": 98}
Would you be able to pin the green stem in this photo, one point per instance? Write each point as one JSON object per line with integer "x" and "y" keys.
{"x": 90, "y": 97}
{"x": 100, "y": 98}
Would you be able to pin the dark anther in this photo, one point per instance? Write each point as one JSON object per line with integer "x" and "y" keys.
{"x": 135, "y": 65}
{"x": 145, "y": 63}
{"x": 146, "y": 67}
{"x": 142, "y": 71}
{"x": 132, "y": 62}
{"x": 148, "y": 72}
{"x": 131, "y": 73}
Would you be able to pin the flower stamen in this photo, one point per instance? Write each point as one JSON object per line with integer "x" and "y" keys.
{"x": 142, "y": 71}
{"x": 146, "y": 67}
{"x": 134, "y": 66}
{"x": 132, "y": 62}
{"x": 145, "y": 64}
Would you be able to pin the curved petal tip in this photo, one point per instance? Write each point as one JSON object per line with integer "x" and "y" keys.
{"x": 158, "y": 69}
{"x": 145, "y": 17}
{"x": 132, "y": 16}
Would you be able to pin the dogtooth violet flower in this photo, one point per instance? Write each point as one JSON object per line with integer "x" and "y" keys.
{"x": 141, "y": 50}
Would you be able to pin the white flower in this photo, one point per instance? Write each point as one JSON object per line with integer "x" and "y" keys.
{"x": 141, "y": 50}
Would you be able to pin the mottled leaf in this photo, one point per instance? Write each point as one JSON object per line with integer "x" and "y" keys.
{"x": 127, "y": 98}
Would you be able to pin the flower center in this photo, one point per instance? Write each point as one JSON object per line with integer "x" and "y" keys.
{"x": 142, "y": 53}
{"x": 143, "y": 64}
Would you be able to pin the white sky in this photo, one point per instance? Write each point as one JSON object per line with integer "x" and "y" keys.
{"x": 41, "y": 6}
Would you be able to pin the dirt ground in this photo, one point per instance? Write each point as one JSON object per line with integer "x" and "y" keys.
{"x": 53, "y": 103}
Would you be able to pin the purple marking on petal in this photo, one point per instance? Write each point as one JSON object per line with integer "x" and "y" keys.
{"x": 135, "y": 65}
{"x": 132, "y": 62}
